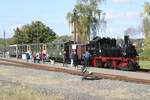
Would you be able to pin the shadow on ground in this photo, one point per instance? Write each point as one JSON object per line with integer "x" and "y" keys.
{"x": 90, "y": 78}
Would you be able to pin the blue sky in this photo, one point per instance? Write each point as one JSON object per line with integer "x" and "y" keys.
{"x": 120, "y": 14}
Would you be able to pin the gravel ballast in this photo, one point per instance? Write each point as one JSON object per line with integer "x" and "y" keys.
{"x": 72, "y": 87}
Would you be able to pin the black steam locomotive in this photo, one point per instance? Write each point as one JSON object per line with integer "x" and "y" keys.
{"x": 106, "y": 53}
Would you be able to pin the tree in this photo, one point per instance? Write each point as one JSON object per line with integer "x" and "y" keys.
{"x": 63, "y": 38}
{"x": 1, "y": 44}
{"x": 8, "y": 42}
{"x": 146, "y": 27}
{"x": 87, "y": 20}
{"x": 146, "y": 19}
{"x": 36, "y": 32}
{"x": 19, "y": 36}
{"x": 146, "y": 9}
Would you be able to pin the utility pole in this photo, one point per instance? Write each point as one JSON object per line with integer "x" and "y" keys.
{"x": 74, "y": 25}
{"x": 4, "y": 45}
{"x": 37, "y": 41}
{"x": 17, "y": 36}
{"x": 17, "y": 45}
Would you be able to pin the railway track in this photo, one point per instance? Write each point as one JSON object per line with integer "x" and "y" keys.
{"x": 11, "y": 62}
{"x": 144, "y": 70}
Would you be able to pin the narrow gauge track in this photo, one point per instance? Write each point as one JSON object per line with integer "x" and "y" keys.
{"x": 144, "y": 70}
{"x": 9, "y": 62}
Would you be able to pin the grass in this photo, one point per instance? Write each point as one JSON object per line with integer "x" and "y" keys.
{"x": 8, "y": 92}
{"x": 144, "y": 64}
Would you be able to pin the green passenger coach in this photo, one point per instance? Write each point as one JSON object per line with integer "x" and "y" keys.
{"x": 56, "y": 50}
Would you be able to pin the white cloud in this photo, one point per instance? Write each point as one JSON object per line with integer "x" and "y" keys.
{"x": 121, "y": 15}
{"x": 123, "y": 1}
{"x": 119, "y": 21}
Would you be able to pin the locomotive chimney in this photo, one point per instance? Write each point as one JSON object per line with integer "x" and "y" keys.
{"x": 126, "y": 39}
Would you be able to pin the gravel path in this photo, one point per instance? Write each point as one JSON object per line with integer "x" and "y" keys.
{"x": 70, "y": 87}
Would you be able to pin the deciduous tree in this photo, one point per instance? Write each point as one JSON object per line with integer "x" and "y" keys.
{"x": 36, "y": 32}
{"x": 88, "y": 19}
{"x": 146, "y": 28}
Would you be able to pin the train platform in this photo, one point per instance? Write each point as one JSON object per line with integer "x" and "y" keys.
{"x": 130, "y": 74}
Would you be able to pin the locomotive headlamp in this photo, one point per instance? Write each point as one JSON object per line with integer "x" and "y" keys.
{"x": 124, "y": 53}
{"x": 100, "y": 51}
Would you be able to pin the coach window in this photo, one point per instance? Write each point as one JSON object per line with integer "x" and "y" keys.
{"x": 50, "y": 46}
{"x": 61, "y": 45}
{"x": 58, "y": 46}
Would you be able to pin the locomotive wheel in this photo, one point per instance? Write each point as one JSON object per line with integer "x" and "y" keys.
{"x": 125, "y": 68}
{"x": 136, "y": 66}
{"x": 133, "y": 66}
{"x": 110, "y": 64}
{"x": 119, "y": 67}
{"x": 99, "y": 63}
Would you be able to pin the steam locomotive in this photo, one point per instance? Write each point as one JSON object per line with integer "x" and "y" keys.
{"x": 105, "y": 52}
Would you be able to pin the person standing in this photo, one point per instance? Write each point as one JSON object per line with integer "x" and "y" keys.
{"x": 75, "y": 59}
{"x": 42, "y": 57}
{"x": 30, "y": 54}
{"x": 34, "y": 57}
{"x": 87, "y": 57}
{"x": 38, "y": 57}
{"x": 65, "y": 59}
{"x": 71, "y": 58}
{"x": 28, "y": 57}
